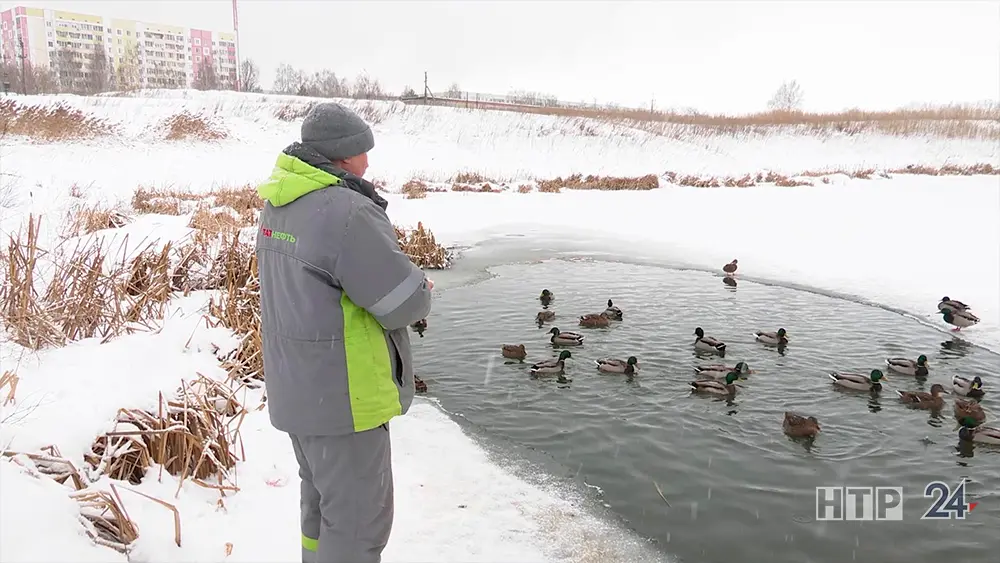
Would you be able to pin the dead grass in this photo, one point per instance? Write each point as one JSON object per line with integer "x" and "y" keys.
{"x": 84, "y": 220}
{"x": 949, "y": 170}
{"x": 484, "y": 188}
{"x": 238, "y": 309}
{"x": 419, "y": 244}
{"x": 8, "y": 383}
{"x": 612, "y": 183}
{"x": 105, "y": 520}
{"x": 54, "y": 297}
{"x": 954, "y": 121}
{"x": 186, "y": 126}
{"x": 472, "y": 178}
{"x": 50, "y": 123}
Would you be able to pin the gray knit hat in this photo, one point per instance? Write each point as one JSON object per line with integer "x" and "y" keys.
{"x": 336, "y": 132}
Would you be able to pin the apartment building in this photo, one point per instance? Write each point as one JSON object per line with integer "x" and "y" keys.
{"x": 83, "y": 48}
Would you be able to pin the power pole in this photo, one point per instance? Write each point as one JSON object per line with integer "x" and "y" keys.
{"x": 24, "y": 83}
{"x": 427, "y": 90}
{"x": 236, "y": 30}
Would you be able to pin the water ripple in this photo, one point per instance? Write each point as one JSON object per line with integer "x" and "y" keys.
{"x": 724, "y": 460}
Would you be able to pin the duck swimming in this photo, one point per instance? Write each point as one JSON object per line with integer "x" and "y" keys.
{"x": 551, "y": 367}
{"x": 907, "y": 366}
{"x": 514, "y": 351}
{"x": 923, "y": 399}
{"x": 800, "y": 426}
{"x": 859, "y": 382}
{"x": 565, "y": 338}
{"x": 614, "y": 365}
{"x": 968, "y": 387}
{"x": 719, "y": 371}
{"x": 779, "y": 338}
{"x": 714, "y": 387}
{"x": 707, "y": 343}
{"x": 613, "y": 312}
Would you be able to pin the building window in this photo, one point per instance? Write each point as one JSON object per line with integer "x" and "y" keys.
{"x": 197, "y": 41}
{"x": 129, "y": 33}
{"x": 197, "y": 59}
{"x": 205, "y": 51}
{"x": 119, "y": 32}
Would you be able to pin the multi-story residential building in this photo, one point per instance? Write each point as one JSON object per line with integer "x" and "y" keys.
{"x": 87, "y": 49}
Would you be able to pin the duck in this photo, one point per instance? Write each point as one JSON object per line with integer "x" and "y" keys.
{"x": 731, "y": 267}
{"x": 923, "y": 399}
{"x": 544, "y": 316}
{"x": 959, "y": 319}
{"x": 716, "y": 387}
{"x": 418, "y": 385}
{"x": 551, "y": 367}
{"x": 613, "y": 312}
{"x": 859, "y": 382}
{"x": 953, "y": 305}
{"x": 800, "y": 426}
{"x": 779, "y": 338}
{"x": 971, "y": 409}
{"x": 968, "y": 387}
{"x": 719, "y": 371}
{"x": 546, "y": 297}
{"x": 907, "y": 366}
{"x": 514, "y": 351}
{"x": 614, "y": 365}
{"x": 969, "y": 432}
{"x": 595, "y": 320}
{"x": 707, "y": 343}
{"x": 560, "y": 338}
{"x": 419, "y": 327}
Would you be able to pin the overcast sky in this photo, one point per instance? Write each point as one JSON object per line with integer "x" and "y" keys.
{"x": 713, "y": 56}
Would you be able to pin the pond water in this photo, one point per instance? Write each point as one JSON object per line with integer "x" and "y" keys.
{"x": 738, "y": 489}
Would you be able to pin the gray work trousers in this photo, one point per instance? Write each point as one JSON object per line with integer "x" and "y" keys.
{"x": 347, "y": 496}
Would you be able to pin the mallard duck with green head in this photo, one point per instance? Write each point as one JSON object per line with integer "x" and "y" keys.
{"x": 924, "y": 399}
{"x": 565, "y": 338}
{"x": 707, "y": 343}
{"x": 959, "y": 319}
{"x": 800, "y": 426}
{"x": 613, "y": 312}
{"x": 968, "y": 387}
{"x": 971, "y": 432}
{"x": 595, "y": 320}
{"x": 714, "y": 387}
{"x": 720, "y": 371}
{"x": 615, "y": 365}
{"x": 953, "y": 305}
{"x": 779, "y": 338}
{"x": 859, "y": 382}
{"x": 544, "y": 316}
{"x": 551, "y": 367}
{"x": 546, "y": 297}
{"x": 514, "y": 351}
{"x": 907, "y": 366}
{"x": 971, "y": 409}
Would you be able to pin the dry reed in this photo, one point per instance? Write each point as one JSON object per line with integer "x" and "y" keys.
{"x": 84, "y": 220}
{"x": 186, "y": 126}
{"x": 51, "y": 464}
{"x": 424, "y": 251}
{"x": 9, "y": 381}
{"x": 87, "y": 294}
{"x": 50, "y": 123}
{"x": 612, "y": 183}
{"x": 105, "y": 520}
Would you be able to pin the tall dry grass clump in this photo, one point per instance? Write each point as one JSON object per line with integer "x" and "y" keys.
{"x": 50, "y": 123}
{"x": 54, "y": 297}
{"x": 237, "y": 307}
{"x": 84, "y": 220}
{"x": 186, "y": 126}
{"x": 612, "y": 183}
{"x": 424, "y": 251}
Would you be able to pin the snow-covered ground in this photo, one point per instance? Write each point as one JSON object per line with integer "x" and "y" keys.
{"x": 902, "y": 242}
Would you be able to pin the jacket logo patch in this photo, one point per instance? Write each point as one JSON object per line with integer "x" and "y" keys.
{"x": 287, "y": 237}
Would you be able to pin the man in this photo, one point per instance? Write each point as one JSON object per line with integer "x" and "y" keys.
{"x": 337, "y": 296}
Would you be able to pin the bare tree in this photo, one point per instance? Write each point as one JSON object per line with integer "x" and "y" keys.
{"x": 454, "y": 91}
{"x": 165, "y": 76}
{"x": 208, "y": 78}
{"x": 788, "y": 97}
{"x": 366, "y": 87}
{"x": 408, "y": 93}
{"x": 249, "y": 76}
{"x": 36, "y": 79}
{"x": 70, "y": 66}
{"x": 97, "y": 77}
{"x": 288, "y": 80}
{"x": 127, "y": 77}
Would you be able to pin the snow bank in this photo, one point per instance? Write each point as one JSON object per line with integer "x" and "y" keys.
{"x": 436, "y": 142}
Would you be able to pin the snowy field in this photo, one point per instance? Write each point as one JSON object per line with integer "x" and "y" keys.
{"x": 902, "y": 242}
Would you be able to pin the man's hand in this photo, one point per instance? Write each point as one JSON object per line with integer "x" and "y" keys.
{"x": 430, "y": 283}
